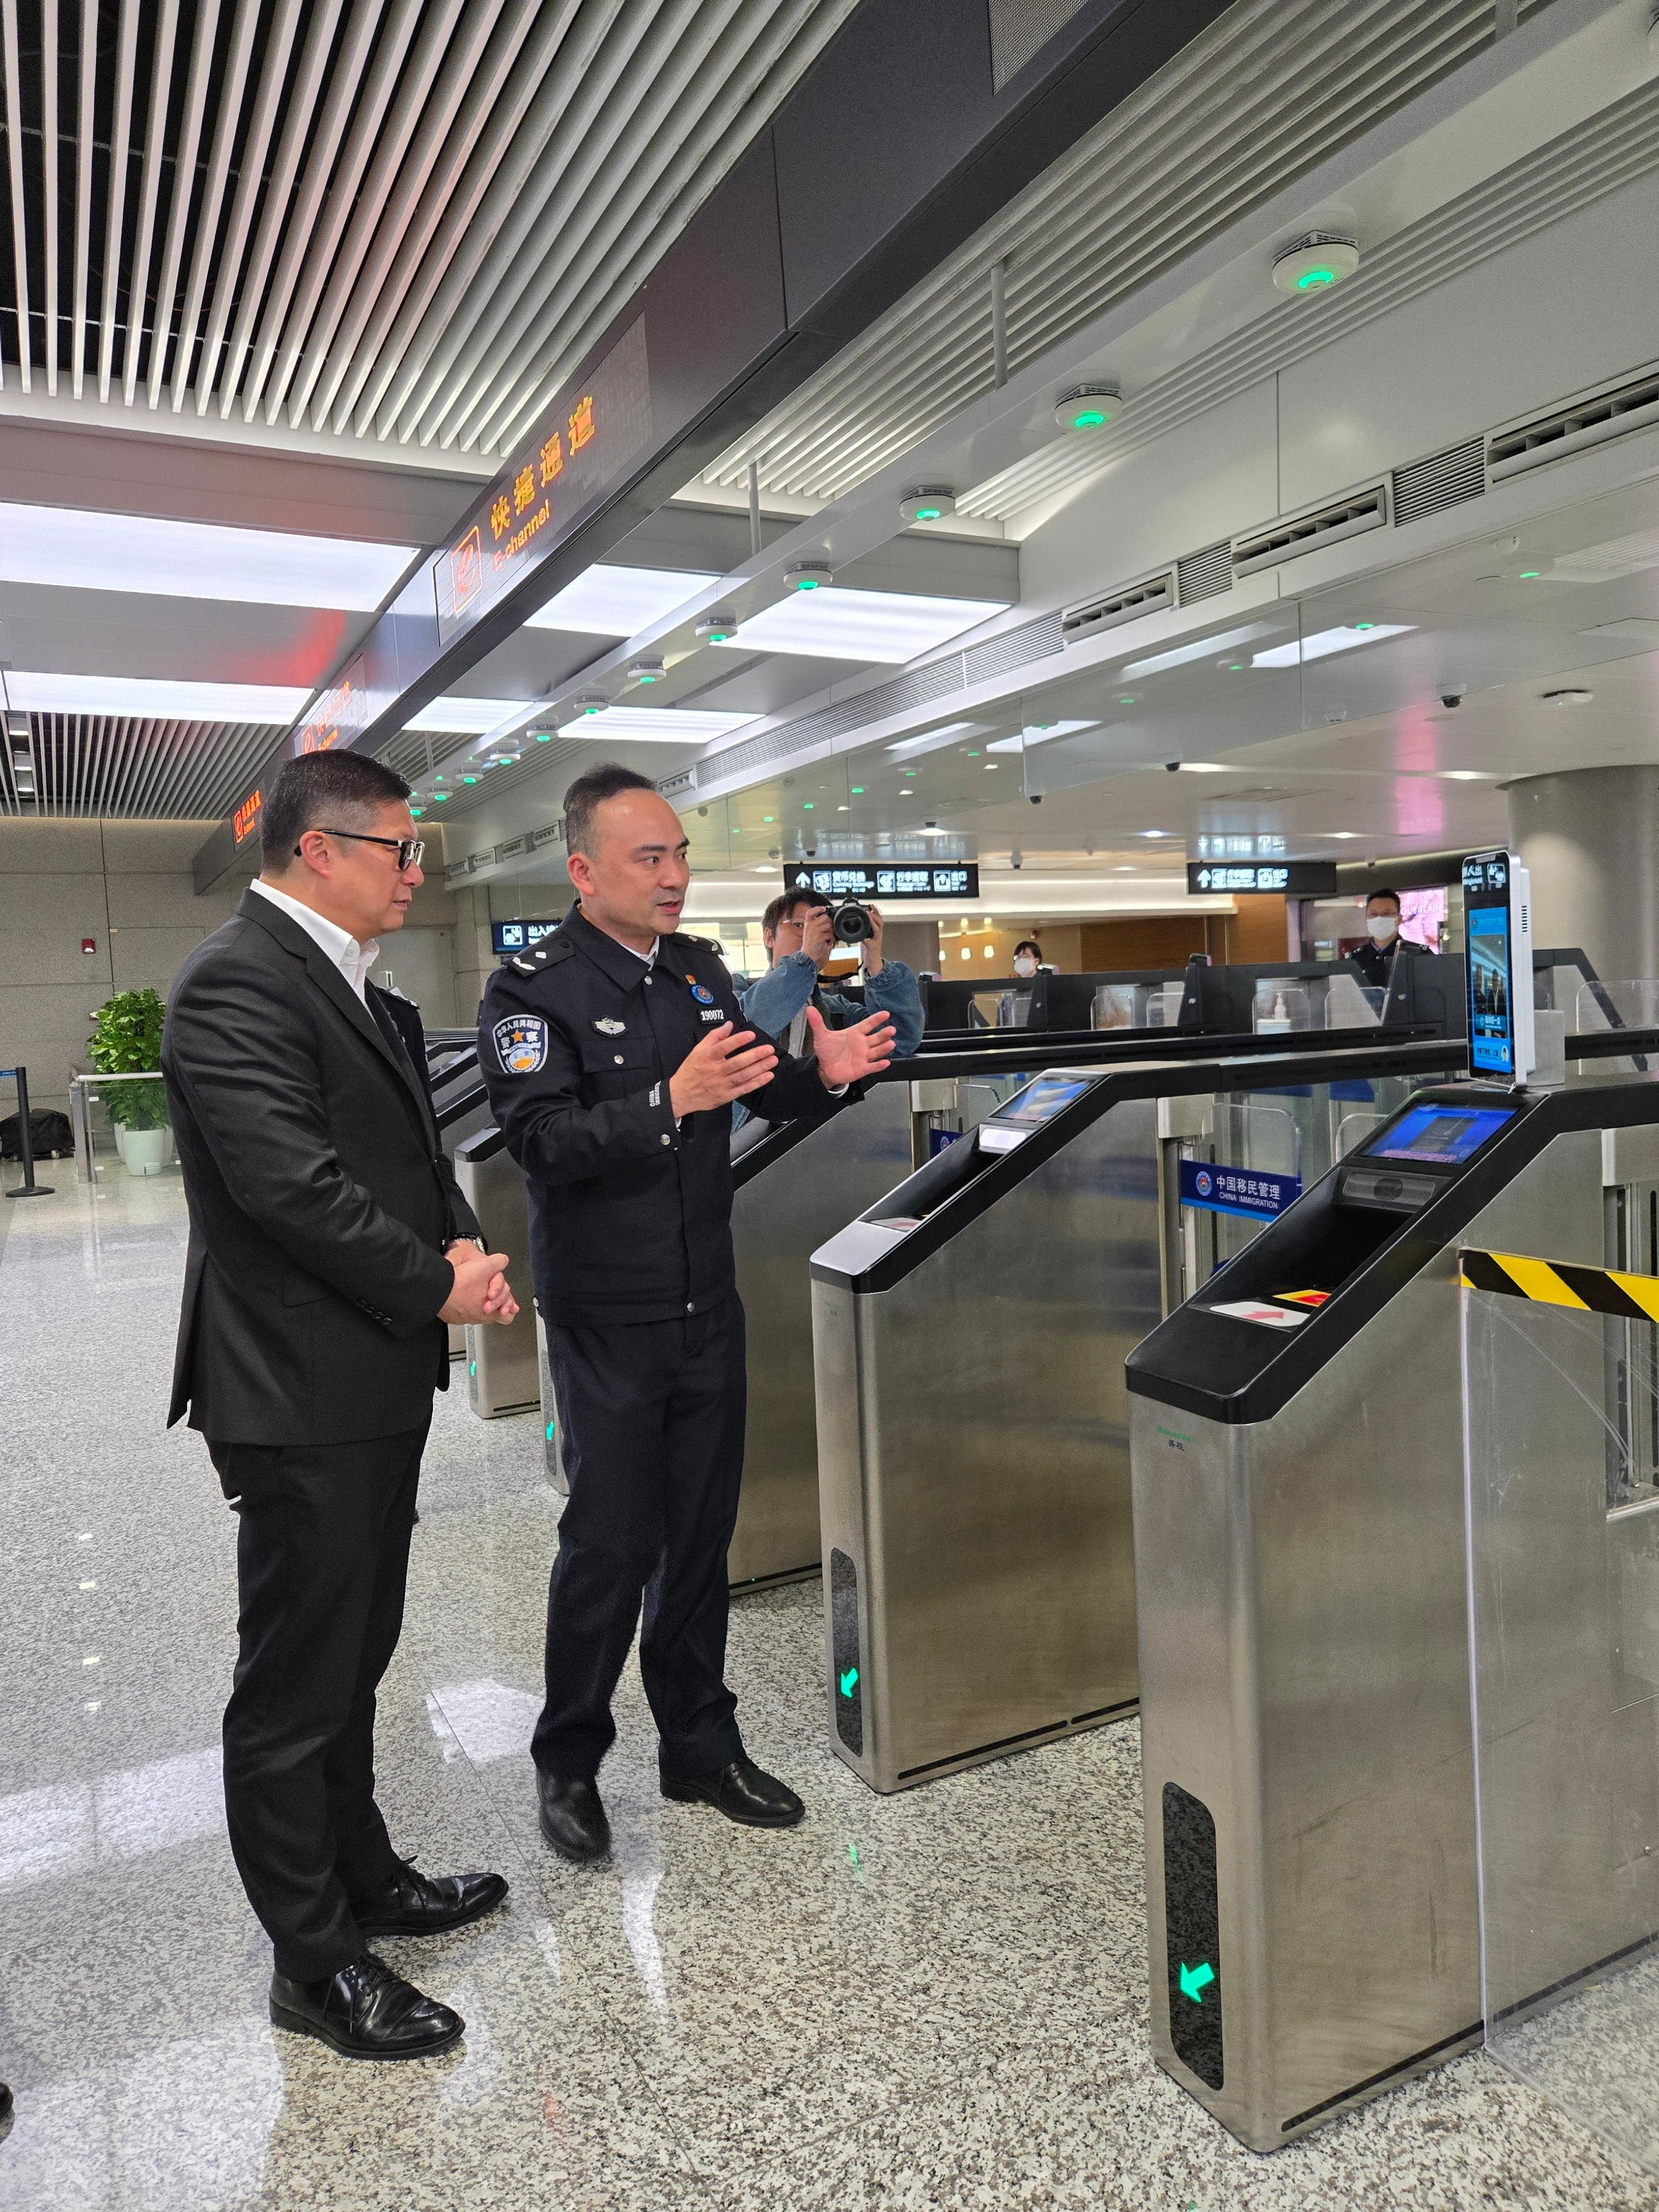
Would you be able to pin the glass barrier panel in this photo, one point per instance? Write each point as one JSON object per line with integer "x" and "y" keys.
{"x": 1354, "y": 1129}
{"x": 1562, "y": 1423}
{"x": 1237, "y": 1175}
{"x": 1113, "y": 1007}
{"x": 1628, "y": 1005}
{"x": 1351, "y": 1005}
{"x": 1281, "y": 1006}
{"x": 1163, "y": 1005}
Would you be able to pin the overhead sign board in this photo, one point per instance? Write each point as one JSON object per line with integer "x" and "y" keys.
{"x": 596, "y": 428}
{"x": 885, "y": 880}
{"x": 518, "y": 936}
{"x": 1288, "y": 878}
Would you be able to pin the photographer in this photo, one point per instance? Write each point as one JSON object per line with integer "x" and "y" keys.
{"x": 800, "y": 942}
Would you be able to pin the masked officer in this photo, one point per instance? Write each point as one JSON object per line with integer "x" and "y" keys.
{"x": 613, "y": 1052}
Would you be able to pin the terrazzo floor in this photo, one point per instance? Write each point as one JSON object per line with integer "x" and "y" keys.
{"x": 931, "y": 2000}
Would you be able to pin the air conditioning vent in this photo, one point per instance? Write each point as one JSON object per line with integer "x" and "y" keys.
{"x": 1633, "y": 406}
{"x": 1088, "y": 620}
{"x": 671, "y": 786}
{"x": 1307, "y": 533}
{"x": 1202, "y": 575}
{"x": 512, "y": 848}
{"x": 1444, "y": 480}
{"x": 552, "y": 834}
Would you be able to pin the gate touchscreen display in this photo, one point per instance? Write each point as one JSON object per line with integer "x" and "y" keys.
{"x": 1444, "y": 1135}
{"x": 1041, "y": 1100}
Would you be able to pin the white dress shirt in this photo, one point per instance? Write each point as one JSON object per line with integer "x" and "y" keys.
{"x": 353, "y": 960}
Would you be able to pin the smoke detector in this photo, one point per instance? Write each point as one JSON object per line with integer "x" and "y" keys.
{"x": 932, "y": 503}
{"x": 1088, "y": 407}
{"x": 714, "y": 630}
{"x": 807, "y": 576}
{"x": 1314, "y": 263}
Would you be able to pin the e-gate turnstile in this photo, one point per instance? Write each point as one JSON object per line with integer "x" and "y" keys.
{"x": 502, "y": 1370}
{"x": 969, "y": 1331}
{"x": 796, "y": 1184}
{"x": 1299, "y": 1524}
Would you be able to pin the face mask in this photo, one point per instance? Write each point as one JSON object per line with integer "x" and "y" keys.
{"x": 1381, "y": 926}
{"x": 1026, "y": 965}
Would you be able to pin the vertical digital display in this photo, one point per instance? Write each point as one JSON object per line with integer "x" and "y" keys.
{"x": 1192, "y": 1933}
{"x": 847, "y": 1668}
{"x": 1492, "y": 964}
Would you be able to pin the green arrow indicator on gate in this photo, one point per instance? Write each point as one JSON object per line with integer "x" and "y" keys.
{"x": 849, "y": 1681}
{"x": 1194, "y": 1980}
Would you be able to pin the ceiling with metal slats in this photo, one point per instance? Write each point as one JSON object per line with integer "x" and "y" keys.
{"x": 111, "y": 767}
{"x": 1270, "y": 90}
{"x": 393, "y": 221}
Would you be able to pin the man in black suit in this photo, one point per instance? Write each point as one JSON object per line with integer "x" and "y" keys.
{"x": 329, "y": 1246}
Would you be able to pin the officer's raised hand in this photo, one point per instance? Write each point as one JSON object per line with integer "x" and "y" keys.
{"x": 719, "y": 1068}
{"x": 848, "y": 1055}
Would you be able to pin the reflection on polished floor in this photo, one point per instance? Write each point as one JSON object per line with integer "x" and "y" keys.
{"x": 932, "y": 2000}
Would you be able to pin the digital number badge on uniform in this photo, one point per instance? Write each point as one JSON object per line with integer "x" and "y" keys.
{"x": 521, "y": 1044}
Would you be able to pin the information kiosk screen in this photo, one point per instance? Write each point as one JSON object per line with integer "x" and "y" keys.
{"x": 1444, "y": 1136}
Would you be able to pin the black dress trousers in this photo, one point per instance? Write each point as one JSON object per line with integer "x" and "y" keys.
{"x": 653, "y": 1417}
{"x": 322, "y": 1557}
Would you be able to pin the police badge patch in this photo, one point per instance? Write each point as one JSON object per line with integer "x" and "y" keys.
{"x": 521, "y": 1044}
{"x": 703, "y": 996}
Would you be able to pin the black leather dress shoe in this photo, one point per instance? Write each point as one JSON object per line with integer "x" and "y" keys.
{"x": 365, "y": 2011}
{"x": 414, "y": 1904}
{"x": 572, "y": 1817}
{"x": 5, "y": 2105}
{"x": 742, "y": 1792}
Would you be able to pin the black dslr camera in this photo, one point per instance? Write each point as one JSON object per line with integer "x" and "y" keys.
{"x": 850, "y": 923}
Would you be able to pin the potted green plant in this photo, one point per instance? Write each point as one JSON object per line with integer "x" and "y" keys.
{"x": 126, "y": 1040}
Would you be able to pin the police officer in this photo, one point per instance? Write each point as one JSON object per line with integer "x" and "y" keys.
{"x": 1375, "y": 960}
{"x": 613, "y": 1052}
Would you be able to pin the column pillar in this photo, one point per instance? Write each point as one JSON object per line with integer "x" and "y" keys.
{"x": 1590, "y": 838}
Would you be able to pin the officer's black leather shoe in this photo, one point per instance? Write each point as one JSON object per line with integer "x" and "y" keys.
{"x": 742, "y": 1792}
{"x": 365, "y": 2011}
{"x": 414, "y": 1904}
{"x": 572, "y": 1817}
{"x": 5, "y": 2107}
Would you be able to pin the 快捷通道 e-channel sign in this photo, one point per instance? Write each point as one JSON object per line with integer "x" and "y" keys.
{"x": 596, "y": 427}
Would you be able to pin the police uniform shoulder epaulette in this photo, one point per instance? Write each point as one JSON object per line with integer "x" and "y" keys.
{"x": 547, "y": 954}
{"x": 701, "y": 944}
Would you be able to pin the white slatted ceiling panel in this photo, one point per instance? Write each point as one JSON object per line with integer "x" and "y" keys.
{"x": 1595, "y": 158}
{"x": 400, "y": 218}
{"x": 1269, "y": 89}
{"x": 109, "y": 766}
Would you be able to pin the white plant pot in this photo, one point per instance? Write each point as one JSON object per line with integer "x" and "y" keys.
{"x": 118, "y": 1131}
{"x": 145, "y": 1151}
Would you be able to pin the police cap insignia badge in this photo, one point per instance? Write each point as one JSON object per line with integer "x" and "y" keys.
{"x": 521, "y": 1043}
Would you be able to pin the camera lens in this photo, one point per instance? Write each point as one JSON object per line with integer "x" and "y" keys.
{"x": 851, "y": 924}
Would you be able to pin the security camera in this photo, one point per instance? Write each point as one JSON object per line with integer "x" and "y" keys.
{"x": 1036, "y": 797}
{"x": 1173, "y": 767}
{"x": 1452, "y": 698}
{"x": 811, "y": 852}
{"x": 1017, "y": 859}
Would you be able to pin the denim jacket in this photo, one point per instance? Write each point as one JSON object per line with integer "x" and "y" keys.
{"x": 772, "y": 1001}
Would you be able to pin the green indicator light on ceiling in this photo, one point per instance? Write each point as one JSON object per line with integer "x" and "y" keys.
{"x": 806, "y": 584}
{"x": 857, "y": 791}
{"x": 848, "y": 1682}
{"x": 1234, "y": 666}
{"x": 1194, "y": 1980}
{"x": 543, "y": 737}
{"x": 929, "y": 513}
{"x": 416, "y": 812}
{"x": 1314, "y": 280}
{"x": 1128, "y": 699}
{"x": 1530, "y": 576}
{"x": 1087, "y": 418}
{"x": 973, "y": 752}
{"x": 468, "y": 779}
{"x": 806, "y": 806}
{"x": 909, "y": 771}
{"x": 1364, "y": 625}
{"x": 437, "y": 779}
{"x": 441, "y": 799}
{"x": 769, "y": 817}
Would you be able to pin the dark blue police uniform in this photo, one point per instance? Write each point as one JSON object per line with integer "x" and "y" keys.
{"x": 631, "y": 1251}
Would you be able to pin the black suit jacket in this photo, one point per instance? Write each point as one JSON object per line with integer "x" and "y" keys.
{"x": 320, "y": 1198}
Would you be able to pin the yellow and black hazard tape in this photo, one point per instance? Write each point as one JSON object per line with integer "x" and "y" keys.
{"x": 1554, "y": 1283}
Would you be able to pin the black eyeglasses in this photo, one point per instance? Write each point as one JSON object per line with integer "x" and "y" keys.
{"x": 408, "y": 849}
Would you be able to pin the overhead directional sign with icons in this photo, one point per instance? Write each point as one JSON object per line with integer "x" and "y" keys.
{"x": 518, "y": 936}
{"x": 1288, "y": 878}
{"x": 883, "y": 879}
